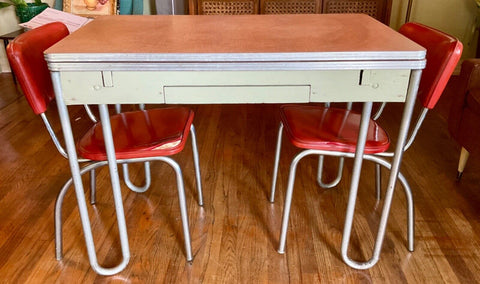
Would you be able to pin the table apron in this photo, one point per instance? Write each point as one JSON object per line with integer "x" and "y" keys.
{"x": 209, "y": 87}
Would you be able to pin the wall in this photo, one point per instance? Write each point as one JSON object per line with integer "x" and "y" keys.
{"x": 456, "y": 17}
{"x": 8, "y": 23}
{"x": 397, "y": 16}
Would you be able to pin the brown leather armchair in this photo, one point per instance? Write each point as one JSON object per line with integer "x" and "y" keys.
{"x": 464, "y": 118}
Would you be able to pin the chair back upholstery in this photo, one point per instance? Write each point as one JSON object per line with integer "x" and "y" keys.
{"x": 443, "y": 53}
{"x": 25, "y": 54}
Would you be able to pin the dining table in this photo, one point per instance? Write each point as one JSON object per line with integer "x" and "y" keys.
{"x": 225, "y": 59}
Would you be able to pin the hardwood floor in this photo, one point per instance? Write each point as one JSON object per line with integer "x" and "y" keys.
{"x": 235, "y": 234}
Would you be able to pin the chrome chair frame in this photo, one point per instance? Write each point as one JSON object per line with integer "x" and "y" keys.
{"x": 358, "y": 156}
{"x": 92, "y": 165}
{"x": 379, "y": 160}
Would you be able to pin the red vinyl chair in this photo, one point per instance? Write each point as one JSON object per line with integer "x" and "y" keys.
{"x": 333, "y": 131}
{"x": 139, "y": 136}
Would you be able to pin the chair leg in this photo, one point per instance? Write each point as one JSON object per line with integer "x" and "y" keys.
{"x": 462, "y": 162}
{"x": 90, "y": 168}
{"x": 183, "y": 206}
{"x": 277, "y": 160}
{"x": 196, "y": 164}
{"x": 93, "y": 187}
{"x": 59, "y": 202}
{"x": 378, "y": 181}
{"x": 380, "y": 162}
{"x": 288, "y": 200}
{"x": 333, "y": 183}
{"x": 129, "y": 183}
{"x": 410, "y": 212}
{"x": 408, "y": 196}
{"x": 58, "y": 220}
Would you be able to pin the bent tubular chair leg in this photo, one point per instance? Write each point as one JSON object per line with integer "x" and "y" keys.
{"x": 196, "y": 164}
{"x": 182, "y": 203}
{"x": 410, "y": 213}
{"x": 288, "y": 198}
{"x": 357, "y": 166}
{"x": 335, "y": 182}
{"x": 93, "y": 187}
{"x": 408, "y": 197}
{"x": 275, "y": 164}
{"x": 380, "y": 162}
{"x": 181, "y": 196}
{"x": 58, "y": 208}
{"x": 378, "y": 182}
{"x": 129, "y": 183}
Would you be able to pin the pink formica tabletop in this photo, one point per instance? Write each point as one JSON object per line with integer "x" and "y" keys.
{"x": 303, "y": 37}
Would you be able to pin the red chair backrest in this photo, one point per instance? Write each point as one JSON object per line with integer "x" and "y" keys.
{"x": 25, "y": 54}
{"x": 443, "y": 53}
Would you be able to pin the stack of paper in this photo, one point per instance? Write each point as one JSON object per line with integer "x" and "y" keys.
{"x": 73, "y": 22}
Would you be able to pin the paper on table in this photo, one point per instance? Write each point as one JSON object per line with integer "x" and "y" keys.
{"x": 73, "y": 22}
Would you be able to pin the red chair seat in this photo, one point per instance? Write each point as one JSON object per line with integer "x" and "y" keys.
{"x": 140, "y": 134}
{"x": 330, "y": 129}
